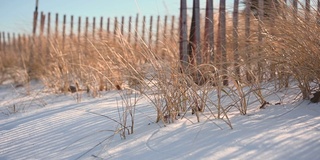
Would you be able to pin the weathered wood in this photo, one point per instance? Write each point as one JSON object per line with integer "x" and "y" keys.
{"x": 223, "y": 41}
{"x": 247, "y": 35}
{"x": 79, "y": 29}
{"x": 14, "y": 44}
{"x": 64, "y": 32}
{"x": 318, "y": 12}
{"x": 94, "y": 28}
{"x": 86, "y": 34}
{"x": 0, "y": 42}
{"x": 183, "y": 43}
{"x": 157, "y": 35}
{"x": 165, "y": 27}
{"x": 307, "y": 14}
{"x": 129, "y": 29}
{"x": 209, "y": 33}
{"x": 143, "y": 28}
{"x": 56, "y": 27}
{"x": 8, "y": 42}
{"x": 236, "y": 38}
{"x": 172, "y": 27}
{"x": 122, "y": 26}
{"x": 35, "y": 20}
{"x": 195, "y": 35}
{"x": 136, "y": 31}
{"x": 48, "y": 36}
{"x": 48, "y": 25}
{"x": 295, "y": 7}
{"x": 150, "y": 32}
{"x": 101, "y": 28}
{"x": 42, "y": 22}
{"x": 71, "y": 27}
{"x": 108, "y": 28}
{"x": 115, "y": 28}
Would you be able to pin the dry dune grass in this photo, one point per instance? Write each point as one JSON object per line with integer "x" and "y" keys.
{"x": 289, "y": 50}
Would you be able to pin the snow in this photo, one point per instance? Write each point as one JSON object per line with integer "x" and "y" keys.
{"x": 45, "y": 125}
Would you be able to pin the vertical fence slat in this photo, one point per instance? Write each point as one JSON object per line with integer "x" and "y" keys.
{"x": 64, "y": 31}
{"x": 129, "y": 29}
{"x": 122, "y": 26}
{"x": 307, "y": 14}
{"x": 172, "y": 28}
{"x": 79, "y": 29}
{"x": 143, "y": 28}
{"x": 86, "y": 34}
{"x": 222, "y": 19}
{"x": 101, "y": 27}
{"x": 247, "y": 33}
{"x": 42, "y": 22}
{"x": 14, "y": 44}
{"x": 0, "y": 41}
{"x": 209, "y": 34}
{"x": 56, "y": 27}
{"x": 236, "y": 38}
{"x": 318, "y": 15}
{"x": 93, "y": 27}
{"x": 71, "y": 27}
{"x": 136, "y": 31}
{"x": 115, "y": 28}
{"x": 183, "y": 44}
{"x": 150, "y": 32}
{"x": 157, "y": 34}
{"x": 48, "y": 35}
{"x": 108, "y": 28}
{"x": 8, "y": 42}
{"x": 4, "y": 42}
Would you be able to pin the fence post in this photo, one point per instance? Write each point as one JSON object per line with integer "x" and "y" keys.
{"x": 164, "y": 38}
{"x": 183, "y": 38}
{"x": 56, "y": 27}
{"x": 64, "y": 32}
{"x": 222, "y": 21}
{"x": 122, "y": 25}
{"x": 48, "y": 35}
{"x": 194, "y": 45}
{"x": 129, "y": 30}
{"x": 236, "y": 39}
{"x": 71, "y": 27}
{"x": 115, "y": 28}
{"x": 14, "y": 47}
{"x": 86, "y": 35}
{"x": 93, "y": 28}
{"x": 19, "y": 45}
{"x": 42, "y": 21}
{"x": 172, "y": 28}
{"x": 108, "y": 28}
{"x": 9, "y": 42}
{"x": 143, "y": 28}
{"x": 247, "y": 35}
{"x": 101, "y": 27}
{"x": 295, "y": 8}
{"x": 79, "y": 30}
{"x": 0, "y": 41}
{"x": 4, "y": 42}
{"x": 157, "y": 34}
{"x": 307, "y": 15}
{"x": 136, "y": 31}
{"x": 150, "y": 32}
{"x": 318, "y": 15}
{"x": 209, "y": 33}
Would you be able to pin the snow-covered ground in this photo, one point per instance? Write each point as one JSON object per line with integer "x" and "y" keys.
{"x": 42, "y": 125}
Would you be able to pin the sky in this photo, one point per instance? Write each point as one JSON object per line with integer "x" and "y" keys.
{"x": 16, "y": 15}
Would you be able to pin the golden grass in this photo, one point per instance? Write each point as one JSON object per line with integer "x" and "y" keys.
{"x": 289, "y": 50}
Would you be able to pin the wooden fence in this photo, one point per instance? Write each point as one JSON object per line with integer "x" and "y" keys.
{"x": 150, "y": 31}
